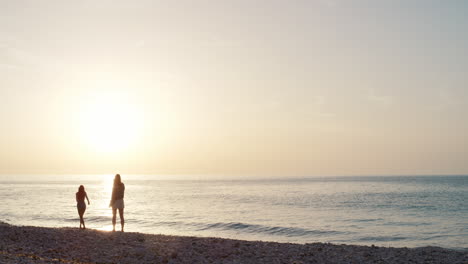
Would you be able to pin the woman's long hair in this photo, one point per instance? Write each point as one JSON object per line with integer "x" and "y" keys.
{"x": 81, "y": 189}
{"x": 117, "y": 180}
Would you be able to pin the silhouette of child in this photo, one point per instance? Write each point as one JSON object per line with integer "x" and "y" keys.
{"x": 80, "y": 204}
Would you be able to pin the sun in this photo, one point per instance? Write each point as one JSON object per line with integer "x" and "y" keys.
{"x": 110, "y": 122}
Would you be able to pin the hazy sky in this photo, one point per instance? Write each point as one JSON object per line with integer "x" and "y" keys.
{"x": 284, "y": 88}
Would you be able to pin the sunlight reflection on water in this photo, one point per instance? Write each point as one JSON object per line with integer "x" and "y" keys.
{"x": 105, "y": 228}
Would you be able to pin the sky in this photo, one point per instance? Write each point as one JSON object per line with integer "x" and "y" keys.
{"x": 269, "y": 88}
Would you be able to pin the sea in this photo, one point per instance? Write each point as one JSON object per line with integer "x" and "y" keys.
{"x": 397, "y": 211}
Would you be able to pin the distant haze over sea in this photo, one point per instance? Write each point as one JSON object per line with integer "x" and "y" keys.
{"x": 228, "y": 177}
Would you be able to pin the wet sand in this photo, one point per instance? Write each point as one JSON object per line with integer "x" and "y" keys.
{"x": 27, "y": 244}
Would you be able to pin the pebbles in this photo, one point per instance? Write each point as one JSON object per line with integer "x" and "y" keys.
{"x": 24, "y": 244}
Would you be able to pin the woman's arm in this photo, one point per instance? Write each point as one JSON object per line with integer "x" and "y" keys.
{"x": 86, "y": 195}
{"x": 76, "y": 197}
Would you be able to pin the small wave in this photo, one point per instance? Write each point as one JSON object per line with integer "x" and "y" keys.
{"x": 434, "y": 237}
{"x": 382, "y": 238}
{"x": 407, "y": 223}
{"x": 367, "y": 220}
{"x": 247, "y": 228}
{"x": 91, "y": 219}
{"x": 420, "y": 207}
{"x": 269, "y": 230}
{"x": 168, "y": 223}
{"x": 363, "y": 220}
{"x": 98, "y": 218}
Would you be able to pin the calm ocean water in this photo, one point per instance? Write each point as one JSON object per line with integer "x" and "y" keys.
{"x": 387, "y": 211}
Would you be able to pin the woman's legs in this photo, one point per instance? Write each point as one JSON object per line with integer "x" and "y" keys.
{"x": 122, "y": 222}
{"x": 114, "y": 212}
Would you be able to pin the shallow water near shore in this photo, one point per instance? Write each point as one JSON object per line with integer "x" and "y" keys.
{"x": 385, "y": 211}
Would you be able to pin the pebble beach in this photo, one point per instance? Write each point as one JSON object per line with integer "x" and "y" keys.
{"x": 28, "y": 244}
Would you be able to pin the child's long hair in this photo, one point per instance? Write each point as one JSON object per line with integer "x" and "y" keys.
{"x": 81, "y": 192}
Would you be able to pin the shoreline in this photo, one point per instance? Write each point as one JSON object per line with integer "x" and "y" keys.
{"x": 29, "y": 244}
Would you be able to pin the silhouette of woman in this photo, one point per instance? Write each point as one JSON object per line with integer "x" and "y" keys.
{"x": 117, "y": 201}
{"x": 80, "y": 204}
